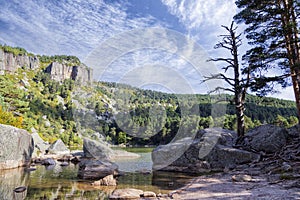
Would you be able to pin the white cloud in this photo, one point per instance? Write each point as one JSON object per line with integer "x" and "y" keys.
{"x": 200, "y": 13}
{"x": 202, "y": 18}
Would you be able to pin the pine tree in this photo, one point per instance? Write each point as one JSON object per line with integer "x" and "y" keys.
{"x": 273, "y": 31}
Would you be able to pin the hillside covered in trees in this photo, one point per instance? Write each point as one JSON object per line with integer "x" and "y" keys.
{"x": 69, "y": 110}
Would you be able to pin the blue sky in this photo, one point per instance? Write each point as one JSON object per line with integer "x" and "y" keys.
{"x": 79, "y": 27}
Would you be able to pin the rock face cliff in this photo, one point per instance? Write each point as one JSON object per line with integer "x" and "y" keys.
{"x": 10, "y": 62}
{"x": 59, "y": 72}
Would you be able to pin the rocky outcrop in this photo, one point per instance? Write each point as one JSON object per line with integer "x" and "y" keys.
{"x": 10, "y": 62}
{"x": 266, "y": 138}
{"x": 58, "y": 147}
{"x": 96, "y": 169}
{"x": 60, "y": 72}
{"x": 16, "y": 147}
{"x": 82, "y": 74}
{"x": 211, "y": 150}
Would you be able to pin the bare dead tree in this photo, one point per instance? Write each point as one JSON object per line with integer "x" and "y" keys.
{"x": 238, "y": 82}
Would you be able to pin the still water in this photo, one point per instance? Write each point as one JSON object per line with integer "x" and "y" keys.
{"x": 61, "y": 182}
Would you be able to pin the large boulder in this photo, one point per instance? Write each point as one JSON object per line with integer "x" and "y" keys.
{"x": 16, "y": 147}
{"x": 97, "y": 149}
{"x": 265, "y": 138}
{"x": 58, "y": 148}
{"x": 96, "y": 169}
{"x": 211, "y": 150}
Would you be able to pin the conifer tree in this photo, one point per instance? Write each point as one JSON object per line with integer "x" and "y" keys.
{"x": 273, "y": 31}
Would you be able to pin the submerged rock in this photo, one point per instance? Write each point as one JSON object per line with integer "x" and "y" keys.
{"x": 106, "y": 181}
{"x": 48, "y": 161}
{"x": 16, "y": 147}
{"x": 96, "y": 169}
{"x": 20, "y": 189}
{"x": 126, "y": 194}
{"x": 211, "y": 150}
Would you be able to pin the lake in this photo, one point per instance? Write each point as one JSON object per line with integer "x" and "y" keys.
{"x": 58, "y": 182}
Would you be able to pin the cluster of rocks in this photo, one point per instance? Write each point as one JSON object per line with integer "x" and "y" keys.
{"x": 215, "y": 149}
{"x": 267, "y": 148}
{"x": 211, "y": 150}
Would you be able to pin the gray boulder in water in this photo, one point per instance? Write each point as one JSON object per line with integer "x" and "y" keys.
{"x": 211, "y": 150}
{"x": 97, "y": 149}
{"x": 16, "y": 147}
{"x": 96, "y": 169}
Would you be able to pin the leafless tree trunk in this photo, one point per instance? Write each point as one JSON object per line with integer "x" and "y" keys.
{"x": 238, "y": 83}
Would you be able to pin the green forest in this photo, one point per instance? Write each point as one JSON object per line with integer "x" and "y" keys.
{"x": 70, "y": 111}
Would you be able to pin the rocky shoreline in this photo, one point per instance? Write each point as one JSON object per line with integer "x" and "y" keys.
{"x": 264, "y": 166}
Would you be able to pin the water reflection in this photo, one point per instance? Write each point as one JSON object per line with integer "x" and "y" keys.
{"x": 9, "y": 180}
{"x": 61, "y": 182}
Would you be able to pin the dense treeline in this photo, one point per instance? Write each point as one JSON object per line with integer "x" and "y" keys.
{"x": 70, "y": 60}
{"x": 14, "y": 50}
{"x": 259, "y": 110}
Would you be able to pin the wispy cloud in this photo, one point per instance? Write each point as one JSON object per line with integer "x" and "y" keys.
{"x": 64, "y": 27}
